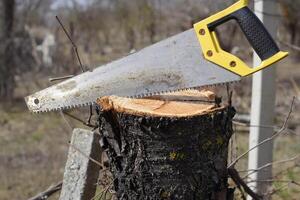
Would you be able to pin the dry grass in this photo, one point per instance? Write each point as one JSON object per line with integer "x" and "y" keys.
{"x": 33, "y": 151}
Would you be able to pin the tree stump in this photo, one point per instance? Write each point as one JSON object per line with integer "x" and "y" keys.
{"x": 167, "y": 147}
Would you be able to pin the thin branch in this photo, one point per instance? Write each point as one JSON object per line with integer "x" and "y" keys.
{"x": 90, "y": 158}
{"x": 296, "y": 87}
{"x": 66, "y": 121}
{"x": 239, "y": 181}
{"x": 288, "y": 182}
{"x": 55, "y": 188}
{"x": 93, "y": 160}
{"x": 229, "y": 95}
{"x": 285, "y": 170}
{"x": 277, "y": 190}
{"x": 73, "y": 117}
{"x": 47, "y": 193}
{"x": 276, "y": 180}
{"x": 252, "y": 171}
{"x": 80, "y": 120}
{"x": 73, "y": 43}
{"x": 80, "y": 64}
{"x": 283, "y": 128}
{"x": 248, "y": 125}
{"x": 291, "y": 46}
{"x": 104, "y": 190}
{"x": 60, "y": 78}
{"x": 268, "y": 14}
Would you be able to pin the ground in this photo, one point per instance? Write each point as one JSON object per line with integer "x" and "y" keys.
{"x": 33, "y": 147}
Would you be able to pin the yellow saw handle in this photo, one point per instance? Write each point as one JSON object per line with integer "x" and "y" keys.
{"x": 254, "y": 30}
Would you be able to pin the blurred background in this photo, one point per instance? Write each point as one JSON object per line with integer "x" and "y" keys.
{"x": 34, "y": 48}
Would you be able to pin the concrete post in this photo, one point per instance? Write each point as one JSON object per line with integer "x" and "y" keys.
{"x": 263, "y": 101}
{"x": 81, "y": 173}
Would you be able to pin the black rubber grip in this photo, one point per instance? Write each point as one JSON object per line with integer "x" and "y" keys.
{"x": 254, "y": 30}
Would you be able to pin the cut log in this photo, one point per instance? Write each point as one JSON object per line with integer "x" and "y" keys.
{"x": 166, "y": 147}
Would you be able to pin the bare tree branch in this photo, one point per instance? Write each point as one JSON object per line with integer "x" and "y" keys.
{"x": 276, "y": 128}
{"x": 73, "y": 43}
{"x": 60, "y": 78}
{"x": 276, "y": 180}
{"x": 90, "y": 158}
{"x": 276, "y": 190}
{"x": 252, "y": 171}
{"x": 66, "y": 121}
{"x": 285, "y": 170}
{"x": 294, "y": 47}
{"x": 283, "y": 128}
{"x": 53, "y": 189}
{"x": 80, "y": 120}
{"x": 296, "y": 87}
{"x": 239, "y": 181}
{"x": 103, "y": 191}
{"x": 47, "y": 193}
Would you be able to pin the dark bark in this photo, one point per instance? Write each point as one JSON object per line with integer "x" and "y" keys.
{"x": 168, "y": 158}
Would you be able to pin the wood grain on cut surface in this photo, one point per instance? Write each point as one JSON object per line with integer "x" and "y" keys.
{"x": 177, "y": 104}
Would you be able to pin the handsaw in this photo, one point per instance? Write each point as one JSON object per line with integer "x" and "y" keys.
{"x": 191, "y": 59}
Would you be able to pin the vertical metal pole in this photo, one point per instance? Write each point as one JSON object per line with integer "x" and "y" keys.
{"x": 263, "y": 103}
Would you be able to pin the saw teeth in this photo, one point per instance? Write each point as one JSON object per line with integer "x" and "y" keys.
{"x": 67, "y": 107}
{"x": 154, "y": 93}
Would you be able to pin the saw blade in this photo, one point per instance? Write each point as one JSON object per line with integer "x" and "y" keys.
{"x": 170, "y": 65}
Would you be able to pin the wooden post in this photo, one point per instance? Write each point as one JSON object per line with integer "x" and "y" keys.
{"x": 166, "y": 148}
{"x": 81, "y": 171}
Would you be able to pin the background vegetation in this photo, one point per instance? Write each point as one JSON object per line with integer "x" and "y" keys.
{"x": 33, "y": 48}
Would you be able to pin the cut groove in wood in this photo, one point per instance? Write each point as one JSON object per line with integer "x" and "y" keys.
{"x": 178, "y": 104}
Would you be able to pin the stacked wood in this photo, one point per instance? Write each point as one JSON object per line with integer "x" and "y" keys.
{"x": 168, "y": 147}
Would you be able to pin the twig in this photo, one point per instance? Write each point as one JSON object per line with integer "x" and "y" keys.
{"x": 270, "y": 164}
{"x": 280, "y": 188}
{"x": 93, "y": 160}
{"x": 276, "y": 180}
{"x": 88, "y": 123}
{"x": 268, "y": 139}
{"x": 80, "y": 120}
{"x": 104, "y": 190}
{"x": 294, "y": 47}
{"x": 66, "y": 121}
{"x": 80, "y": 64}
{"x": 60, "y": 78}
{"x": 90, "y": 158}
{"x": 73, "y": 43}
{"x": 285, "y": 170}
{"x": 296, "y": 87}
{"x": 229, "y": 95}
{"x": 233, "y": 147}
{"x": 47, "y": 193}
{"x": 247, "y": 124}
{"x": 276, "y": 190}
{"x": 239, "y": 181}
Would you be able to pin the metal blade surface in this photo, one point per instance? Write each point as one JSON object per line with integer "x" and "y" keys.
{"x": 170, "y": 65}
